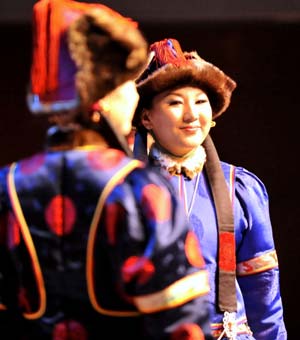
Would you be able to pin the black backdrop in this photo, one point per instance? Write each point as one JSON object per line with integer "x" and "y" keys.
{"x": 257, "y": 132}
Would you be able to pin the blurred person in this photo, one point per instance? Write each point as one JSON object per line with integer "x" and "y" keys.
{"x": 93, "y": 244}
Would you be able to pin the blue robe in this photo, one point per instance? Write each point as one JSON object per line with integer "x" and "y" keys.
{"x": 260, "y": 309}
{"x": 71, "y": 262}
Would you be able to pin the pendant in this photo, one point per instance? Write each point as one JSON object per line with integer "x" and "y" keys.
{"x": 229, "y": 326}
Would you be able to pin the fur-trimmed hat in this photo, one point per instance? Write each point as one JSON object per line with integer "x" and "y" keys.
{"x": 108, "y": 50}
{"x": 52, "y": 77}
{"x": 170, "y": 67}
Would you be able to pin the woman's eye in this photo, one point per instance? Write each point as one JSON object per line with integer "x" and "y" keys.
{"x": 174, "y": 102}
{"x": 201, "y": 101}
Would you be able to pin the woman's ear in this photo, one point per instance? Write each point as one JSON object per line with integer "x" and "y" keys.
{"x": 146, "y": 121}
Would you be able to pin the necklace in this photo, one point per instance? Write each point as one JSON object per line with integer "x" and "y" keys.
{"x": 189, "y": 165}
{"x": 183, "y": 194}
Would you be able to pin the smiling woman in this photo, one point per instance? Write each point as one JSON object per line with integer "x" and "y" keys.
{"x": 180, "y": 94}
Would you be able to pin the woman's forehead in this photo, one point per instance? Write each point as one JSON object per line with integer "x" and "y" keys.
{"x": 180, "y": 91}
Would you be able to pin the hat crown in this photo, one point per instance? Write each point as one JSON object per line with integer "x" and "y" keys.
{"x": 170, "y": 67}
{"x": 52, "y": 75}
{"x": 108, "y": 50}
{"x": 163, "y": 53}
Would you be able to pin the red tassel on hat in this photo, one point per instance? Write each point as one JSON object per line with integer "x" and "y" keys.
{"x": 168, "y": 51}
{"x": 54, "y": 30}
{"x": 39, "y": 54}
{"x": 49, "y": 24}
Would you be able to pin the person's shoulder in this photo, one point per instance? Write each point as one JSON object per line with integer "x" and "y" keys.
{"x": 148, "y": 175}
{"x": 240, "y": 172}
{"x": 246, "y": 180}
{"x": 247, "y": 175}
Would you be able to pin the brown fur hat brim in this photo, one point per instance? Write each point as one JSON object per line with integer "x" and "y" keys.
{"x": 196, "y": 72}
{"x": 108, "y": 50}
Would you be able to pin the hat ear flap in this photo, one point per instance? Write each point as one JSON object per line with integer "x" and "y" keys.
{"x": 140, "y": 150}
{"x": 108, "y": 50}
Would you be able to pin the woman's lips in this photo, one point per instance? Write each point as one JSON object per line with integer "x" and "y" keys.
{"x": 191, "y": 128}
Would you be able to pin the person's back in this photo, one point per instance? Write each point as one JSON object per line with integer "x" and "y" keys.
{"x": 71, "y": 274}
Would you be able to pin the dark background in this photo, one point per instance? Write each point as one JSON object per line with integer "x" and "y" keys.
{"x": 259, "y": 131}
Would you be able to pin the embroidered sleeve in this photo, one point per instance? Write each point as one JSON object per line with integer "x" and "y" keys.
{"x": 257, "y": 263}
{"x": 254, "y": 235}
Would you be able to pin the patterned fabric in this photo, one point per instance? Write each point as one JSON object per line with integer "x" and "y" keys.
{"x": 257, "y": 284}
{"x": 66, "y": 276}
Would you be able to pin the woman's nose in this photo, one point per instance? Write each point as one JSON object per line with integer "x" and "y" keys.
{"x": 190, "y": 113}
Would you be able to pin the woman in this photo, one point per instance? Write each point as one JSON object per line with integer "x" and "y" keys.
{"x": 180, "y": 96}
{"x": 86, "y": 252}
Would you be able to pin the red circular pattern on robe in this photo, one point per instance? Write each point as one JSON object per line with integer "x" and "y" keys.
{"x": 114, "y": 213}
{"x": 193, "y": 251}
{"x": 188, "y": 331}
{"x": 69, "y": 330}
{"x": 31, "y": 165}
{"x": 139, "y": 267}
{"x": 105, "y": 159}
{"x": 156, "y": 202}
{"x": 60, "y": 215}
{"x": 13, "y": 231}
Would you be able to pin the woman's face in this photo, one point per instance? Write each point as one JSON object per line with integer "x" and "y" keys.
{"x": 180, "y": 119}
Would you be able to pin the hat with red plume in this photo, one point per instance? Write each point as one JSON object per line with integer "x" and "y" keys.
{"x": 52, "y": 77}
{"x": 170, "y": 67}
